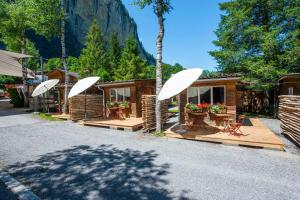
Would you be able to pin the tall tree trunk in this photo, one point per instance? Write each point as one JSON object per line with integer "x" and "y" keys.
{"x": 24, "y": 69}
{"x": 159, "y": 46}
{"x": 63, "y": 56}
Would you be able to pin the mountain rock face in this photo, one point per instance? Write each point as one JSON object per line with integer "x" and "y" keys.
{"x": 111, "y": 15}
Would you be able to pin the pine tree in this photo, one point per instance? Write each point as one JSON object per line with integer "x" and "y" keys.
{"x": 259, "y": 38}
{"x": 114, "y": 53}
{"x": 93, "y": 59}
{"x": 131, "y": 66}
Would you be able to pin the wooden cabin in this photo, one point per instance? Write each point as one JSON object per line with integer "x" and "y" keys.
{"x": 130, "y": 91}
{"x": 212, "y": 90}
{"x": 60, "y": 75}
{"x": 289, "y": 84}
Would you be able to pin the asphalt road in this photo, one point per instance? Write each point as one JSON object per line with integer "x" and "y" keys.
{"x": 63, "y": 160}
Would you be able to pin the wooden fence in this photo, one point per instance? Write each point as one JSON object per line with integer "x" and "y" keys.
{"x": 89, "y": 106}
{"x": 148, "y": 112}
{"x": 289, "y": 115}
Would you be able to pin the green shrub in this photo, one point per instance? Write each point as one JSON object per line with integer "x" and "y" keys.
{"x": 15, "y": 98}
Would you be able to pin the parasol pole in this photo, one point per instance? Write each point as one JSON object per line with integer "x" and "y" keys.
{"x": 181, "y": 130}
{"x": 85, "y": 105}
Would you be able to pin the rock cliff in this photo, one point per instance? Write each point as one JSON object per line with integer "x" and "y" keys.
{"x": 111, "y": 15}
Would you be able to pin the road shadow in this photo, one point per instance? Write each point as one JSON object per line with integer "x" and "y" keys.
{"x": 104, "y": 172}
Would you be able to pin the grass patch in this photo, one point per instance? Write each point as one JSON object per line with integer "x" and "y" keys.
{"x": 159, "y": 134}
{"x": 173, "y": 111}
{"x": 47, "y": 117}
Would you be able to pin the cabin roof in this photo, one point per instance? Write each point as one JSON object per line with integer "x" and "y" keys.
{"x": 73, "y": 74}
{"x": 219, "y": 77}
{"x": 290, "y": 75}
{"x": 126, "y": 82}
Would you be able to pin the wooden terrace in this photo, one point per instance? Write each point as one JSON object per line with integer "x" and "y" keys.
{"x": 256, "y": 135}
{"x": 128, "y": 124}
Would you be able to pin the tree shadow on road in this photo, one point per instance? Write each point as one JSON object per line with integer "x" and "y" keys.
{"x": 104, "y": 172}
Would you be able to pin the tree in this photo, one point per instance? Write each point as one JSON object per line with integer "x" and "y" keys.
{"x": 160, "y": 8}
{"x": 131, "y": 66}
{"x": 93, "y": 59}
{"x": 259, "y": 38}
{"x": 64, "y": 54}
{"x": 49, "y": 21}
{"x": 114, "y": 53}
{"x": 55, "y": 63}
{"x": 16, "y": 19}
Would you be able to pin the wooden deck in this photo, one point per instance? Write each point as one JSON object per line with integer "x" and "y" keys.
{"x": 129, "y": 124}
{"x": 257, "y": 135}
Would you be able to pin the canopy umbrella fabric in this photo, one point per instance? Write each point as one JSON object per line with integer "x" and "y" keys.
{"x": 179, "y": 82}
{"x": 176, "y": 84}
{"x": 10, "y": 66}
{"x": 44, "y": 87}
{"x": 14, "y": 55}
{"x": 82, "y": 85}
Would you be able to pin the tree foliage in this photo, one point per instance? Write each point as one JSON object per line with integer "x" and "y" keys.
{"x": 94, "y": 59}
{"x": 131, "y": 65}
{"x": 166, "y": 5}
{"x": 259, "y": 38}
{"x": 55, "y": 63}
{"x": 114, "y": 52}
{"x": 167, "y": 69}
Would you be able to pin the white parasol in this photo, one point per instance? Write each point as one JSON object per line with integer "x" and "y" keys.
{"x": 44, "y": 87}
{"x": 179, "y": 82}
{"x": 176, "y": 84}
{"x": 82, "y": 85}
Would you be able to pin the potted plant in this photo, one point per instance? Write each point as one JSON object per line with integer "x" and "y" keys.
{"x": 222, "y": 109}
{"x": 218, "y": 109}
{"x": 192, "y": 107}
{"x": 124, "y": 104}
{"x": 203, "y": 107}
{"x": 110, "y": 104}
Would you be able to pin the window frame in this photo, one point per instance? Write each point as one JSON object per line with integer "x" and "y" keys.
{"x": 211, "y": 93}
{"x": 291, "y": 90}
{"x": 123, "y": 93}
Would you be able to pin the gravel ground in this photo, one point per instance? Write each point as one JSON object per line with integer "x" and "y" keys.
{"x": 63, "y": 160}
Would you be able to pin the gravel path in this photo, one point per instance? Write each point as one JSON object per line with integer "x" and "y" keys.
{"x": 63, "y": 160}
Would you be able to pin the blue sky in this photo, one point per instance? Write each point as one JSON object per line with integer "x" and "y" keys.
{"x": 189, "y": 31}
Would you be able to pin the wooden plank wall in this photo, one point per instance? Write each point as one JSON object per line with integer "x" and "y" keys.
{"x": 148, "y": 114}
{"x": 289, "y": 115}
{"x": 94, "y": 107}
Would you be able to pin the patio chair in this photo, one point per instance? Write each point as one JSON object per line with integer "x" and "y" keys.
{"x": 234, "y": 127}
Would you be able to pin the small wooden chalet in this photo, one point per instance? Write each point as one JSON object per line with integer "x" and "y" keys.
{"x": 60, "y": 75}
{"x": 212, "y": 90}
{"x": 289, "y": 84}
{"x": 130, "y": 91}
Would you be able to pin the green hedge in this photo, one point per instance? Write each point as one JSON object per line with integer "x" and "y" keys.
{"x": 15, "y": 98}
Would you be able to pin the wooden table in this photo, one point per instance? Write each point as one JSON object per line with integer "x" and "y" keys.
{"x": 219, "y": 118}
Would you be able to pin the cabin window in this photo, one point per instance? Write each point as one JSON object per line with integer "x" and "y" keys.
{"x": 218, "y": 95}
{"x": 291, "y": 91}
{"x": 119, "y": 94}
{"x": 193, "y": 95}
{"x": 210, "y": 95}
